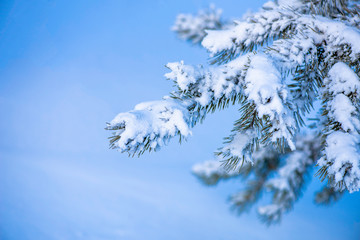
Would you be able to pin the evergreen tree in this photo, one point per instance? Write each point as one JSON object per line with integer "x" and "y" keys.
{"x": 293, "y": 68}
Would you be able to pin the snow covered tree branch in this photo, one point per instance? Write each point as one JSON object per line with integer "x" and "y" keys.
{"x": 149, "y": 126}
{"x": 276, "y": 64}
{"x": 193, "y": 28}
{"x": 341, "y": 156}
{"x": 290, "y": 169}
{"x": 288, "y": 184}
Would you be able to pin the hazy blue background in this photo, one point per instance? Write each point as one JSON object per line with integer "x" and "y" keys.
{"x": 67, "y": 67}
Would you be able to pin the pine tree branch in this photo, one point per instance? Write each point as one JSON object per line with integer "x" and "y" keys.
{"x": 149, "y": 126}
{"x": 328, "y": 195}
{"x": 340, "y": 163}
{"x": 287, "y": 186}
{"x": 193, "y": 28}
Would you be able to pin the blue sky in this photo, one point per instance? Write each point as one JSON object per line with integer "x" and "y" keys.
{"x": 66, "y": 68}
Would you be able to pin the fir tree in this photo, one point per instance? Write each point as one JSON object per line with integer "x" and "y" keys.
{"x": 283, "y": 65}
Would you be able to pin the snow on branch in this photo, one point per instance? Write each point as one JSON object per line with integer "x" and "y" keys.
{"x": 287, "y": 185}
{"x": 278, "y": 22}
{"x": 341, "y": 159}
{"x": 193, "y": 28}
{"x": 212, "y": 171}
{"x": 258, "y": 29}
{"x": 209, "y": 88}
{"x": 206, "y": 85}
{"x": 149, "y": 126}
{"x": 307, "y": 51}
{"x": 264, "y": 87}
{"x": 266, "y": 114}
{"x": 252, "y": 79}
{"x": 266, "y": 161}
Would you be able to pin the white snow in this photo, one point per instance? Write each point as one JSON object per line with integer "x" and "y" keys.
{"x": 293, "y": 37}
{"x": 207, "y": 85}
{"x": 211, "y": 171}
{"x": 342, "y": 150}
{"x": 288, "y": 181}
{"x": 343, "y": 111}
{"x": 158, "y": 121}
{"x": 268, "y": 23}
{"x": 343, "y": 79}
{"x": 238, "y": 145}
{"x": 341, "y": 153}
{"x": 194, "y": 28}
{"x": 256, "y": 28}
{"x": 265, "y": 88}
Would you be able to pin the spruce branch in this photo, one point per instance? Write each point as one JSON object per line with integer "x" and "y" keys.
{"x": 340, "y": 163}
{"x": 328, "y": 195}
{"x": 306, "y": 53}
